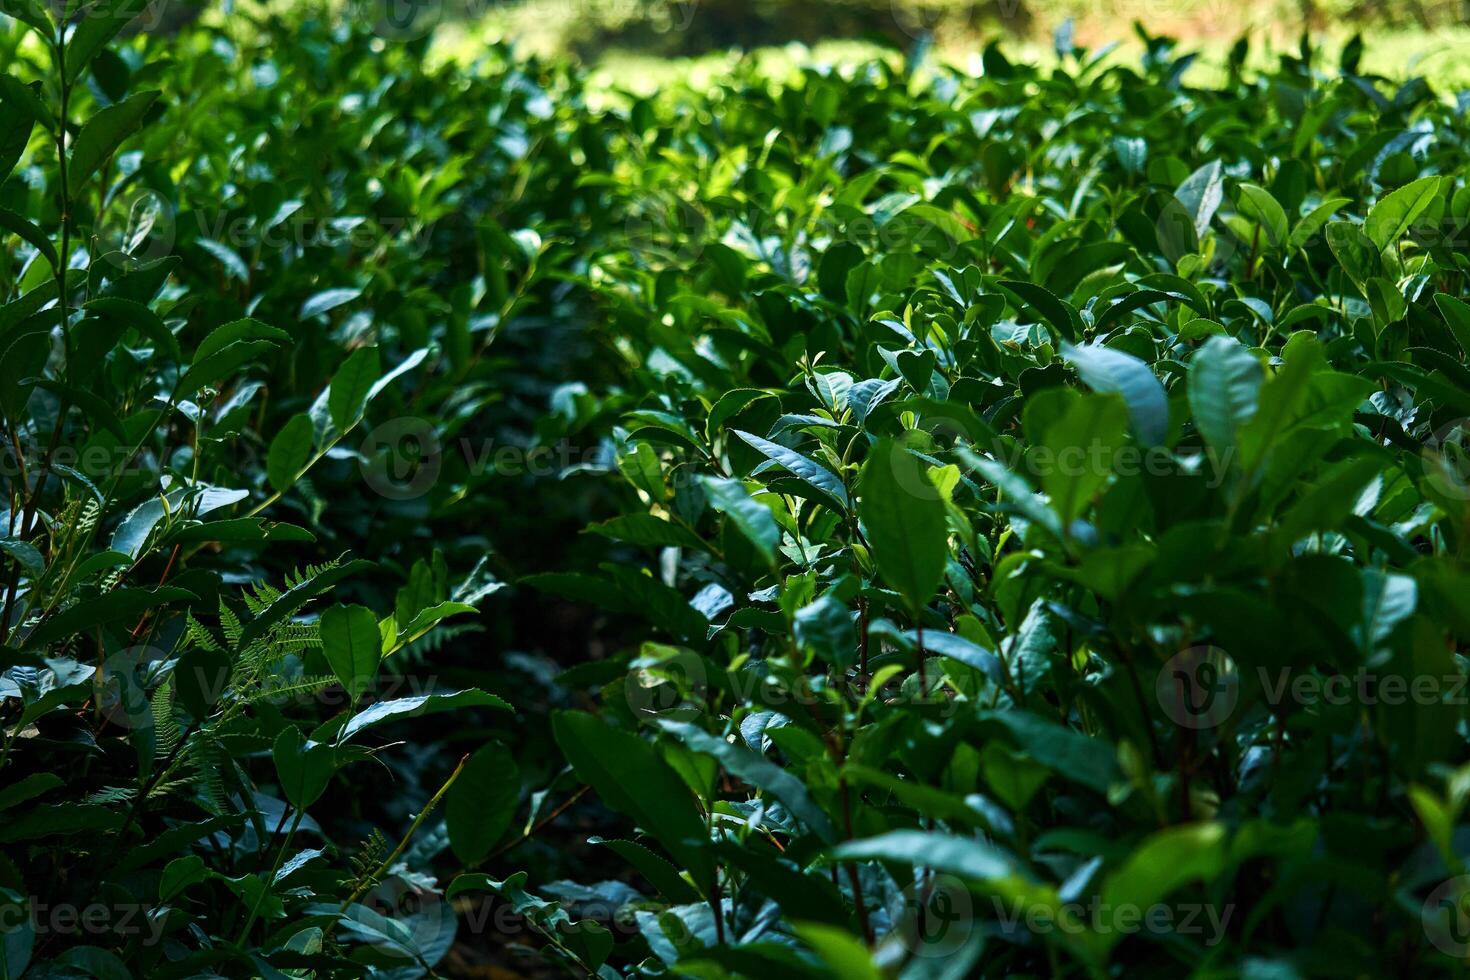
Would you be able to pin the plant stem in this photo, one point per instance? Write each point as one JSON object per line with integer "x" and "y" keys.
{"x": 157, "y": 778}
{"x": 270, "y": 880}
{"x": 923, "y": 672}
{"x": 853, "y": 878}
{"x": 387, "y": 863}
{"x": 562, "y": 808}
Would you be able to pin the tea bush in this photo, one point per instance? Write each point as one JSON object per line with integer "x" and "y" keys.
{"x": 1027, "y": 514}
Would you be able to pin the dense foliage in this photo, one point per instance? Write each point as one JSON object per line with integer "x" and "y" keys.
{"x": 1028, "y": 514}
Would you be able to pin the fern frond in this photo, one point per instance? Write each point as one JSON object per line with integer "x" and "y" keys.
{"x": 309, "y": 686}
{"x": 295, "y": 637}
{"x": 302, "y": 576}
{"x": 111, "y": 794}
{"x": 230, "y": 624}
{"x": 166, "y": 731}
{"x": 174, "y": 787}
{"x": 197, "y": 634}
{"x": 209, "y": 762}
{"x": 368, "y": 858}
{"x": 91, "y": 510}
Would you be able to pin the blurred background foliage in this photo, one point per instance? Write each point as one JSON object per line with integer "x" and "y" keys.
{"x": 640, "y": 43}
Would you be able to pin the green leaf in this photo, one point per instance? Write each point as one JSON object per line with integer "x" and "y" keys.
{"x": 1086, "y": 760}
{"x": 958, "y": 648}
{"x": 730, "y": 404}
{"x": 91, "y": 405}
{"x": 585, "y": 939}
{"x": 28, "y": 788}
{"x": 95, "y": 962}
{"x": 1456, "y": 313}
{"x": 825, "y": 627}
{"x": 179, "y": 874}
{"x": 753, "y": 518}
{"x": 744, "y": 764}
{"x": 659, "y": 872}
{"x": 59, "y": 820}
{"x": 19, "y": 97}
{"x": 1257, "y": 204}
{"x": 960, "y": 856}
{"x": 101, "y": 135}
{"x": 1353, "y": 250}
{"x": 1082, "y": 446}
{"x": 350, "y": 388}
{"x": 904, "y": 520}
{"x": 241, "y": 530}
{"x": 327, "y": 300}
{"x": 649, "y": 531}
{"x": 428, "y": 617}
{"x": 1396, "y": 212}
{"x": 31, "y": 13}
{"x": 481, "y": 803}
{"x": 14, "y": 223}
{"x": 135, "y": 315}
{"x": 1052, "y": 310}
{"x": 222, "y": 364}
{"x": 25, "y": 555}
{"x": 1015, "y": 492}
{"x": 1013, "y": 777}
{"x": 398, "y": 709}
{"x": 234, "y": 265}
{"x": 1308, "y": 227}
{"x": 23, "y": 355}
{"x": 657, "y": 602}
{"x": 1224, "y": 386}
{"x": 309, "y": 588}
{"x": 120, "y": 604}
{"x": 289, "y": 452}
{"x": 630, "y": 777}
{"x": 809, "y": 472}
{"x": 1164, "y": 861}
{"x": 1201, "y": 194}
{"x": 238, "y": 331}
{"x": 410, "y": 362}
{"x": 845, "y": 955}
{"x": 16, "y": 137}
{"x": 102, "y": 22}
{"x": 305, "y": 768}
{"x": 199, "y": 679}
{"x": 353, "y": 647}
{"x": 945, "y": 221}
{"x": 1107, "y": 370}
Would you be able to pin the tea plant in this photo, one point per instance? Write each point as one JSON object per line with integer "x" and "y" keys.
{"x": 1045, "y": 491}
{"x": 1027, "y": 513}
{"x": 169, "y": 715}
